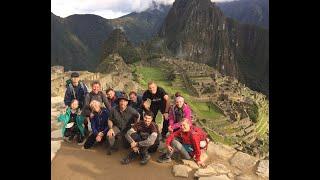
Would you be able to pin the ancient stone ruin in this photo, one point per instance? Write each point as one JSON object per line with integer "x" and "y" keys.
{"x": 245, "y": 109}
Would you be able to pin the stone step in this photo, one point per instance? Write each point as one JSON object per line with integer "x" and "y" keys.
{"x": 240, "y": 148}
{"x": 250, "y": 128}
{"x": 248, "y": 136}
{"x": 251, "y": 140}
{"x": 237, "y": 134}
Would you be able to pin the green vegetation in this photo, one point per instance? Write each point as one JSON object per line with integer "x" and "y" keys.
{"x": 262, "y": 125}
{"x": 129, "y": 54}
{"x": 160, "y": 77}
{"x": 203, "y": 110}
{"x": 253, "y": 112}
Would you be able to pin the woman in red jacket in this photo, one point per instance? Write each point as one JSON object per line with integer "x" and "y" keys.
{"x": 187, "y": 142}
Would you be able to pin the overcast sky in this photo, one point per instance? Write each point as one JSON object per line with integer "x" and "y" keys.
{"x": 106, "y": 8}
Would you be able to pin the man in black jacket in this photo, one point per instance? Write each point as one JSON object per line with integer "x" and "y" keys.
{"x": 121, "y": 118}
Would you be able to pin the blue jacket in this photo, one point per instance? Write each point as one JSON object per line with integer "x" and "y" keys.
{"x": 80, "y": 93}
{"x": 100, "y": 122}
{"x": 115, "y": 101}
{"x": 137, "y": 105}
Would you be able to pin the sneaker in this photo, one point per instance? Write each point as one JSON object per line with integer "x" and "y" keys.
{"x": 164, "y": 159}
{"x": 71, "y": 138}
{"x": 131, "y": 156}
{"x": 80, "y": 140}
{"x": 145, "y": 158}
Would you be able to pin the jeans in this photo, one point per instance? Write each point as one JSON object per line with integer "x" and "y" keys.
{"x": 151, "y": 149}
{"x": 177, "y": 146}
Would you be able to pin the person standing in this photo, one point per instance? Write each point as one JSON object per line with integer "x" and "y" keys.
{"x": 76, "y": 89}
{"x": 159, "y": 102}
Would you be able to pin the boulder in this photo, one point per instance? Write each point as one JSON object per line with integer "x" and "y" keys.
{"x": 221, "y": 151}
{"x": 55, "y": 114}
{"x": 208, "y": 171}
{"x": 190, "y": 163}
{"x": 181, "y": 170}
{"x": 243, "y": 161}
{"x": 220, "y": 168}
{"x": 221, "y": 177}
{"x": 55, "y": 146}
{"x": 263, "y": 168}
{"x": 56, "y": 100}
{"x": 230, "y": 175}
{"x": 247, "y": 177}
{"x": 56, "y": 134}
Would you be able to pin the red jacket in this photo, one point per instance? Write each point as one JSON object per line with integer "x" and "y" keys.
{"x": 192, "y": 137}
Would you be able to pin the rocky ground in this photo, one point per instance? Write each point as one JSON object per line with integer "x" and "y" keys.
{"x": 70, "y": 161}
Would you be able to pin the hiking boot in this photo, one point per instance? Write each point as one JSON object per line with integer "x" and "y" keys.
{"x": 164, "y": 158}
{"x": 145, "y": 158}
{"x": 131, "y": 156}
{"x": 80, "y": 140}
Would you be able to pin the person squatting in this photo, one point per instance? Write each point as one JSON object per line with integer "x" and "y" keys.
{"x": 117, "y": 119}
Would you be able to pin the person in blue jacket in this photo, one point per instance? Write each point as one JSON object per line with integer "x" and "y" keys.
{"x": 99, "y": 124}
{"x": 75, "y": 89}
{"x": 113, "y": 96}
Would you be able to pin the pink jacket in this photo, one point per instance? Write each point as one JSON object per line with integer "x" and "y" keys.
{"x": 186, "y": 114}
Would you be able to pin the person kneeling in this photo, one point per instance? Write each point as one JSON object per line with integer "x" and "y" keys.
{"x": 98, "y": 124}
{"x": 72, "y": 123}
{"x": 143, "y": 138}
{"x": 188, "y": 141}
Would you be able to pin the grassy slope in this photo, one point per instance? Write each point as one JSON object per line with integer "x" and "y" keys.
{"x": 157, "y": 75}
{"x": 200, "y": 108}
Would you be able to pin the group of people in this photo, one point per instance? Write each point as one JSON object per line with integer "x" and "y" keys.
{"x": 117, "y": 119}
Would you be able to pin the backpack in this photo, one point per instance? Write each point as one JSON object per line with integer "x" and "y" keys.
{"x": 203, "y": 135}
{"x": 119, "y": 93}
{"x": 69, "y": 84}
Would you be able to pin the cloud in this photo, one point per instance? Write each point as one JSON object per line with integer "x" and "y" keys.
{"x": 106, "y": 8}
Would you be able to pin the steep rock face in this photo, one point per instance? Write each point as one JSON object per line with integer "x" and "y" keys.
{"x": 66, "y": 48}
{"x": 247, "y": 11}
{"x": 113, "y": 63}
{"x": 197, "y": 30}
{"x": 142, "y": 26}
{"x": 119, "y": 43}
{"x": 77, "y": 41}
{"x": 92, "y": 30}
{"x": 117, "y": 39}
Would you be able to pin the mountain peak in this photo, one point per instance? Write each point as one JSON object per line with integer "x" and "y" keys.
{"x": 197, "y": 30}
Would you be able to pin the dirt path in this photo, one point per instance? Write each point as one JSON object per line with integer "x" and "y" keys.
{"x": 72, "y": 162}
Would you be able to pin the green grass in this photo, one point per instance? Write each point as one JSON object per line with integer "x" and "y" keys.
{"x": 200, "y": 108}
{"x": 159, "y": 76}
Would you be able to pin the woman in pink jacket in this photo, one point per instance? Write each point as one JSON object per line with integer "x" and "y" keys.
{"x": 177, "y": 112}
